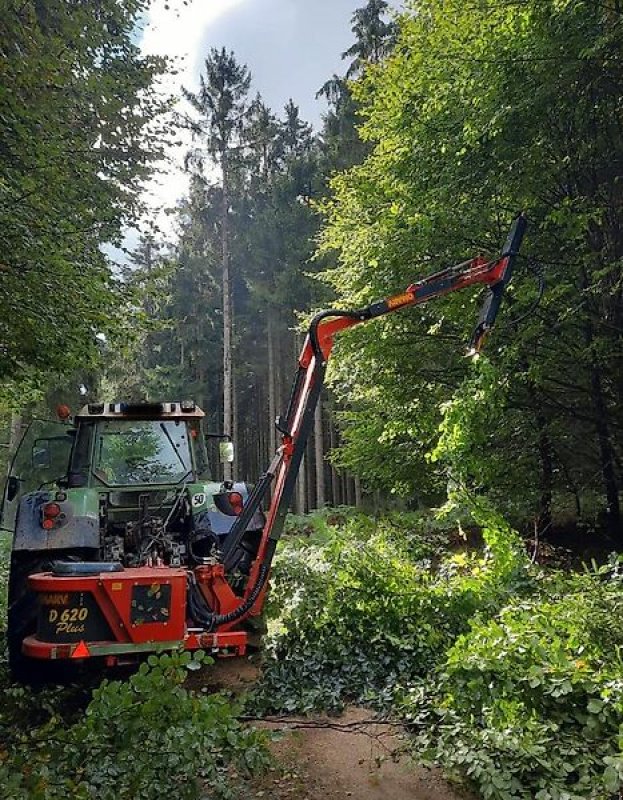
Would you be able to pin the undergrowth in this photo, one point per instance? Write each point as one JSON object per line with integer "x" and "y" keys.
{"x": 147, "y": 737}
{"x": 508, "y": 676}
{"x": 362, "y": 608}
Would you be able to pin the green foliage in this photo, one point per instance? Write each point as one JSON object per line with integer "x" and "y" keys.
{"x": 468, "y": 422}
{"x": 78, "y": 135}
{"x": 319, "y": 523}
{"x": 363, "y": 610}
{"x": 507, "y": 677}
{"x": 147, "y": 737}
{"x": 529, "y": 704}
{"x": 481, "y": 110}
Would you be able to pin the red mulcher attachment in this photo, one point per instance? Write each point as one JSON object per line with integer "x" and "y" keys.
{"x": 125, "y": 612}
{"x": 105, "y": 610}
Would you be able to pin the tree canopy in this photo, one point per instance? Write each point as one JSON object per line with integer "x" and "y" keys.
{"x": 481, "y": 111}
{"x": 76, "y": 98}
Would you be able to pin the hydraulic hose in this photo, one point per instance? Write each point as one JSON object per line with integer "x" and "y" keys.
{"x": 359, "y": 314}
{"x": 207, "y": 618}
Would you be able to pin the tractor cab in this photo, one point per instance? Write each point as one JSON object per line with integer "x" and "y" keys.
{"x": 141, "y": 445}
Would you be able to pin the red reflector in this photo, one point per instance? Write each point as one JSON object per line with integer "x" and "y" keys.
{"x": 235, "y": 500}
{"x": 81, "y": 651}
{"x": 47, "y": 524}
{"x": 51, "y": 510}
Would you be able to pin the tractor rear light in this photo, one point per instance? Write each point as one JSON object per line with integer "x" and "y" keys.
{"x": 236, "y": 502}
{"x": 51, "y": 510}
{"x": 51, "y": 515}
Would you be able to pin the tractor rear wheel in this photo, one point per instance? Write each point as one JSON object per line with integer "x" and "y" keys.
{"x": 22, "y": 615}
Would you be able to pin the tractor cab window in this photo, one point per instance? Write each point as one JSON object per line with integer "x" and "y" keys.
{"x": 136, "y": 452}
{"x": 202, "y": 466}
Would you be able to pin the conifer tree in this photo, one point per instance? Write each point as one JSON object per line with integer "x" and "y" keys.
{"x": 221, "y": 101}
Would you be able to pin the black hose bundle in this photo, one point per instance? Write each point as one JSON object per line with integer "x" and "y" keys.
{"x": 205, "y": 617}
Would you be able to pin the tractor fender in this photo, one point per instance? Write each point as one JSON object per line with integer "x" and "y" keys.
{"x": 76, "y": 531}
{"x": 212, "y": 520}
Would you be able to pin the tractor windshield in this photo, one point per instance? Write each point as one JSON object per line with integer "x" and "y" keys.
{"x": 141, "y": 452}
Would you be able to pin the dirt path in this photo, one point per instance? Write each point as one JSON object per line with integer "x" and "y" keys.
{"x": 330, "y": 758}
{"x": 351, "y": 756}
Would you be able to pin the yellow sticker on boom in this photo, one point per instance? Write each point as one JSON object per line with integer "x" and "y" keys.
{"x": 399, "y": 300}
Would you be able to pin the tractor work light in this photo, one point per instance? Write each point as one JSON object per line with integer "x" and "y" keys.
{"x": 96, "y": 408}
{"x": 187, "y": 406}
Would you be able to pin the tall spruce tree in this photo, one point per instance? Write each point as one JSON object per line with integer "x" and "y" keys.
{"x": 221, "y": 101}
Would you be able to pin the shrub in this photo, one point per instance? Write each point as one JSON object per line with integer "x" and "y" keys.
{"x": 148, "y": 737}
{"x": 529, "y": 704}
{"x": 363, "y": 609}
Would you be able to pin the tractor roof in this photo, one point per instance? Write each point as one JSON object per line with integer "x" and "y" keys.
{"x": 186, "y": 409}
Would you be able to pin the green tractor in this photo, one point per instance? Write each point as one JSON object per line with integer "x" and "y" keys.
{"x": 122, "y": 487}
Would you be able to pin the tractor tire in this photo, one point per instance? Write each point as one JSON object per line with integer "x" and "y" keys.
{"x": 22, "y": 615}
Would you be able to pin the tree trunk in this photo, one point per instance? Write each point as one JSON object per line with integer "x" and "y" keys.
{"x": 345, "y": 486}
{"x": 301, "y": 488}
{"x": 606, "y": 453}
{"x": 272, "y": 384}
{"x": 239, "y": 451}
{"x": 350, "y": 490}
{"x": 202, "y": 399}
{"x": 319, "y": 449}
{"x": 227, "y": 316}
{"x": 358, "y": 492}
{"x": 310, "y": 475}
{"x": 335, "y": 481}
{"x": 546, "y": 474}
{"x": 606, "y": 449}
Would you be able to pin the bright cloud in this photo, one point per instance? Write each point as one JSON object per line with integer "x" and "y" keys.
{"x": 176, "y": 29}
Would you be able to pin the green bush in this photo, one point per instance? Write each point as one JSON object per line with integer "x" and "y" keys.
{"x": 509, "y": 677}
{"x": 373, "y": 604}
{"x": 146, "y": 738}
{"x": 529, "y": 704}
{"x": 318, "y": 522}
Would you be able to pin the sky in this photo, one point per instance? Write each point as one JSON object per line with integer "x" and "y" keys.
{"x": 291, "y": 48}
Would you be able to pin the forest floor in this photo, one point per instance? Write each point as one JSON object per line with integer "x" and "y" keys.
{"x": 330, "y": 758}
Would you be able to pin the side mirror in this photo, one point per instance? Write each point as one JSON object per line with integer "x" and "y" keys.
{"x": 41, "y": 457}
{"x": 226, "y": 451}
{"x": 12, "y": 487}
